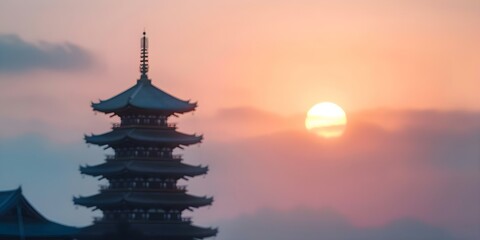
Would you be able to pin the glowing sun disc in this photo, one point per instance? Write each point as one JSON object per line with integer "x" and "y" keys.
{"x": 326, "y": 119}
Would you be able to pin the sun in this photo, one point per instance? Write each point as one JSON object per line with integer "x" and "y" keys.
{"x": 326, "y": 119}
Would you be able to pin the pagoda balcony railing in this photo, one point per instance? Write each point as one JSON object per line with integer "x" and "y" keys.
{"x": 167, "y": 125}
{"x": 180, "y": 220}
{"x": 172, "y": 157}
{"x": 107, "y": 188}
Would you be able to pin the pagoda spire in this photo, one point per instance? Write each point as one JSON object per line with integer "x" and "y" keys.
{"x": 144, "y": 57}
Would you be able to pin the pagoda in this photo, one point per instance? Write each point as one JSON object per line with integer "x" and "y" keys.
{"x": 142, "y": 199}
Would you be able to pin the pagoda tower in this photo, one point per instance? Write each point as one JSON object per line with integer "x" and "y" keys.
{"x": 142, "y": 197}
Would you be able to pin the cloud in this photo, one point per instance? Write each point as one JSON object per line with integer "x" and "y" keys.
{"x": 310, "y": 224}
{"x": 424, "y": 167}
{"x": 239, "y": 122}
{"x": 18, "y": 55}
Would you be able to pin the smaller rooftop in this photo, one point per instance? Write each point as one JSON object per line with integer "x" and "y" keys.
{"x": 19, "y": 219}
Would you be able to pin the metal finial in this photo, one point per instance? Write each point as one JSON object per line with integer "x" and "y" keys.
{"x": 144, "y": 56}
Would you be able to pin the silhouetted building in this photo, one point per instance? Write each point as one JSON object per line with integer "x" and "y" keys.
{"x": 142, "y": 199}
{"x": 20, "y": 221}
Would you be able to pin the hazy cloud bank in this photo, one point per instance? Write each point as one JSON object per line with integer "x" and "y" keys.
{"x": 423, "y": 166}
{"x": 309, "y": 224}
{"x": 17, "y": 55}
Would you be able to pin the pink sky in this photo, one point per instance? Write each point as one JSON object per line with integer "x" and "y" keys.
{"x": 406, "y": 72}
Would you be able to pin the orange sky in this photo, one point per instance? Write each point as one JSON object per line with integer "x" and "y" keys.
{"x": 281, "y": 57}
{"x": 406, "y": 72}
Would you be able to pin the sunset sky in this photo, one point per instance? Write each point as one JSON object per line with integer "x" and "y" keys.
{"x": 406, "y": 72}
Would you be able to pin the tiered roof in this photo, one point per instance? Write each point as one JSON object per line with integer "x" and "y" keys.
{"x": 150, "y": 135}
{"x": 144, "y": 96}
{"x": 144, "y": 168}
{"x": 110, "y": 199}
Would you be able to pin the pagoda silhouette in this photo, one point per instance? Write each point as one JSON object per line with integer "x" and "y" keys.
{"x": 142, "y": 199}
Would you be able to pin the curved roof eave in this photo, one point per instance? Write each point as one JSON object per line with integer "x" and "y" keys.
{"x": 108, "y": 169}
{"x": 185, "y": 109}
{"x": 13, "y": 198}
{"x": 145, "y": 96}
{"x": 8, "y": 199}
{"x": 41, "y": 227}
{"x": 118, "y": 136}
{"x": 112, "y": 199}
{"x": 177, "y": 142}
